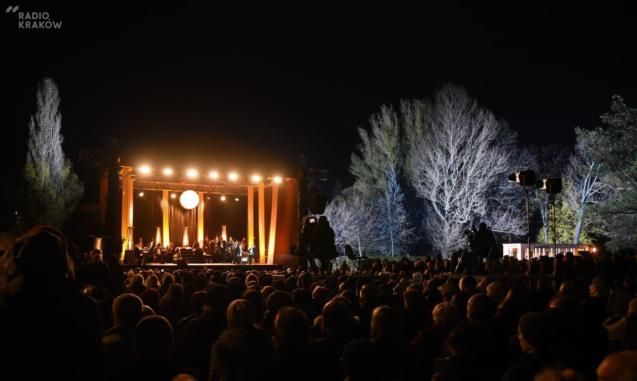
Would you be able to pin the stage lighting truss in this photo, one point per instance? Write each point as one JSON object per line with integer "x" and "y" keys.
{"x": 191, "y": 174}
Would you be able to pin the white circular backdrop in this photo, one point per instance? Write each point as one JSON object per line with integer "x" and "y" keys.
{"x": 189, "y": 199}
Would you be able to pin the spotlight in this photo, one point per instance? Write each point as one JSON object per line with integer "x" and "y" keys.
{"x": 173, "y": 195}
{"x": 233, "y": 176}
{"x": 192, "y": 173}
{"x": 213, "y": 175}
{"x": 222, "y": 198}
{"x": 552, "y": 185}
{"x": 524, "y": 178}
{"x": 167, "y": 171}
{"x": 141, "y": 194}
{"x": 277, "y": 179}
{"x": 236, "y": 199}
{"x": 144, "y": 170}
{"x": 255, "y": 178}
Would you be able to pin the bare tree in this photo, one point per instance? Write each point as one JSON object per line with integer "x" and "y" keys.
{"x": 457, "y": 152}
{"x": 354, "y": 220}
{"x": 54, "y": 189}
{"x": 377, "y": 166}
{"x": 587, "y": 181}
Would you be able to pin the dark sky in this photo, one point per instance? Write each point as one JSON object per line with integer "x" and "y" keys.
{"x": 176, "y": 84}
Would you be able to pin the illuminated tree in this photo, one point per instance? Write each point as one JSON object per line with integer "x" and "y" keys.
{"x": 376, "y": 167}
{"x": 549, "y": 161}
{"x": 53, "y": 188}
{"x": 457, "y": 153}
{"x": 566, "y": 219}
{"x": 615, "y": 142}
{"x": 588, "y": 181}
{"x": 354, "y": 220}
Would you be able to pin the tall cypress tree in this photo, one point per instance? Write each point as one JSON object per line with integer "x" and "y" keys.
{"x": 53, "y": 188}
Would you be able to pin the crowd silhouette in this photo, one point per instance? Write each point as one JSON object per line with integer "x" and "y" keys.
{"x": 74, "y": 316}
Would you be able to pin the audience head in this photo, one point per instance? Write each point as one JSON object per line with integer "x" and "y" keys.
{"x": 256, "y": 298}
{"x": 446, "y": 315}
{"x": 127, "y": 310}
{"x": 413, "y": 300}
{"x": 335, "y": 318}
{"x": 468, "y": 283}
{"x": 598, "y": 288}
{"x": 496, "y": 292}
{"x": 41, "y": 258}
{"x": 535, "y": 332}
{"x": 277, "y": 300}
{"x": 240, "y": 314}
{"x": 448, "y": 290}
{"x": 632, "y": 307}
{"x": 153, "y": 339}
{"x": 368, "y": 295}
{"x": 197, "y": 300}
{"x": 620, "y": 366}
{"x": 174, "y": 291}
{"x": 385, "y": 323}
{"x": 217, "y": 297}
{"x": 480, "y": 308}
{"x": 291, "y": 330}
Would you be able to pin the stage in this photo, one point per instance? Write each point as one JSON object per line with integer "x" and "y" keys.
{"x": 214, "y": 266}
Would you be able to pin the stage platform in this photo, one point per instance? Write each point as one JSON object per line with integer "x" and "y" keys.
{"x": 215, "y": 266}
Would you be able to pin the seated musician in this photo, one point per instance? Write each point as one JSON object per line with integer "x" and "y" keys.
{"x": 158, "y": 253}
{"x": 169, "y": 253}
{"x": 251, "y": 254}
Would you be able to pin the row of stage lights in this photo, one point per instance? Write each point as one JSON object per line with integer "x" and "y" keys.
{"x": 174, "y": 196}
{"x": 192, "y": 173}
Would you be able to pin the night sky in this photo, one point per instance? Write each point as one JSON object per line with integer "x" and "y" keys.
{"x": 178, "y": 84}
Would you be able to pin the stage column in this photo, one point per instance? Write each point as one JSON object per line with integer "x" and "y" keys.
{"x": 127, "y": 210}
{"x": 200, "y": 212}
{"x": 165, "y": 212}
{"x": 271, "y": 240}
{"x": 262, "y": 253}
{"x": 250, "y": 216}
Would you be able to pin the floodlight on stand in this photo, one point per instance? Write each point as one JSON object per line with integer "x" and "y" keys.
{"x": 167, "y": 171}
{"x": 277, "y": 179}
{"x": 255, "y": 178}
{"x": 213, "y": 175}
{"x": 233, "y": 176}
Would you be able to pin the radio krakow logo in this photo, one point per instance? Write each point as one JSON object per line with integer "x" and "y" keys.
{"x": 33, "y": 20}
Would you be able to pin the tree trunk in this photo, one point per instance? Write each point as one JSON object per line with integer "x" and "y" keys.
{"x": 545, "y": 230}
{"x": 389, "y": 224}
{"x": 578, "y": 226}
